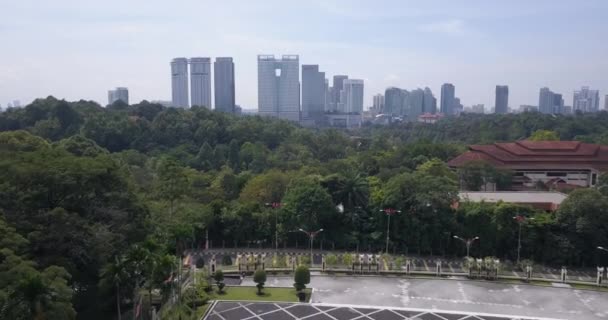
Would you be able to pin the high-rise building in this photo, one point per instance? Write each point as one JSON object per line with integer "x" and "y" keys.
{"x": 223, "y": 84}
{"x": 447, "y": 99}
{"x": 200, "y": 82}
{"x": 415, "y": 104}
{"x": 550, "y": 102}
{"x": 279, "y": 86}
{"x": 120, "y": 93}
{"x": 378, "y": 103}
{"x": 179, "y": 82}
{"x": 586, "y": 100}
{"x": 478, "y": 108}
{"x": 502, "y": 99}
{"x": 606, "y": 102}
{"x": 327, "y": 95}
{"x": 313, "y": 93}
{"x": 430, "y": 102}
{"x": 337, "y": 85}
{"x": 393, "y": 101}
{"x": 352, "y": 92}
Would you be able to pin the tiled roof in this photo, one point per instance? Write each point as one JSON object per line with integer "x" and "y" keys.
{"x": 538, "y": 154}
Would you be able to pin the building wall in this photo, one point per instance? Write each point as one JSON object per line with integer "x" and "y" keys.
{"x": 119, "y": 93}
{"x": 224, "y": 88}
{"x": 179, "y": 82}
{"x": 313, "y": 93}
{"x": 200, "y": 82}
{"x": 448, "y": 93}
{"x": 353, "y": 96}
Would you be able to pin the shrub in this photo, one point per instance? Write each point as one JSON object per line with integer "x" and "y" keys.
{"x": 399, "y": 262}
{"x": 227, "y": 260}
{"x": 331, "y": 260}
{"x": 259, "y": 277}
{"x": 347, "y": 259}
{"x": 218, "y": 276}
{"x": 301, "y": 278}
{"x": 304, "y": 260}
{"x": 200, "y": 262}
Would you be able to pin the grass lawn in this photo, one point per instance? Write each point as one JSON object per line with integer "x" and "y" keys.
{"x": 250, "y": 293}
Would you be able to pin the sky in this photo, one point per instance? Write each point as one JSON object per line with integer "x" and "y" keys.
{"x": 79, "y": 49}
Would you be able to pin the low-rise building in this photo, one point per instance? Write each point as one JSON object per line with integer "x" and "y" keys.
{"x": 553, "y": 165}
{"x": 541, "y": 200}
{"x": 430, "y": 117}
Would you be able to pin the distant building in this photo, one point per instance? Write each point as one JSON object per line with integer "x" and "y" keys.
{"x": 378, "y": 102}
{"x": 200, "y": 82}
{"x": 337, "y": 85}
{"x": 430, "y": 117}
{"x": 550, "y": 102}
{"x": 430, "y": 102}
{"x": 541, "y": 200}
{"x": 478, "y": 108}
{"x": 394, "y": 101}
{"x": 528, "y": 108}
{"x": 567, "y": 110}
{"x": 457, "y": 107}
{"x": 552, "y": 165}
{"x": 606, "y": 102}
{"x": 415, "y": 104}
{"x": 120, "y": 93}
{"x": 353, "y": 96}
{"x": 16, "y": 104}
{"x": 279, "y": 87}
{"x": 447, "y": 99}
{"x": 344, "y": 120}
{"x": 179, "y": 82}
{"x": 501, "y": 105}
{"x": 313, "y": 93}
{"x": 224, "y": 88}
{"x": 586, "y": 100}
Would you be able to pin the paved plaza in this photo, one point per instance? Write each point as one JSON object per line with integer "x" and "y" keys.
{"x": 228, "y": 310}
{"x": 455, "y": 295}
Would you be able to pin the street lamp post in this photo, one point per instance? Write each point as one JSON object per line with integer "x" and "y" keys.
{"x": 520, "y": 220}
{"x": 389, "y": 212}
{"x": 275, "y": 205}
{"x": 311, "y": 235}
{"x": 468, "y": 242}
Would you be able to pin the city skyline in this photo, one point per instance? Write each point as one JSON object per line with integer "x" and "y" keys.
{"x": 128, "y": 46}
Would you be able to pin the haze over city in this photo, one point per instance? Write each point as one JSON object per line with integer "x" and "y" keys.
{"x": 79, "y": 50}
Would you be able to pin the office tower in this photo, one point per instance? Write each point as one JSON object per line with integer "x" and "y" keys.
{"x": 338, "y": 81}
{"x": 200, "y": 82}
{"x": 447, "y": 98}
{"x": 223, "y": 84}
{"x": 120, "y": 93}
{"x": 279, "y": 87}
{"x": 550, "y": 102}
{"x": 457, "y": 107}
{"x": 586, "y": 100}
{"x": 430, "y": 103}
{"x": 327, "y": 96}
{"x": 393, "y": 101}
{"x": 313, "y": 93}
{"x": 352, "y": 94}
{"x": 415, "y": 104}
{"x": 606, "y": 102}
{"x": 502, "y": 99}
{"x": 179, "y": 82}
{"x": 528, "y": 108}
{"x": 378, "y": 103}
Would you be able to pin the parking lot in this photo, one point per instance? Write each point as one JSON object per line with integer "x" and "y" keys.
{"x": 225, "y": 310}
{"x": 455, "y": 295}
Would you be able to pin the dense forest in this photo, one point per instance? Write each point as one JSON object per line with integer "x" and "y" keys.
{"x": 96, "y": 202}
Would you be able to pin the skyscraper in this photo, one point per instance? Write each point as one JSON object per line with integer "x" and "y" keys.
{"x": 586, "y": 100}
{"x": 550, "y": 102}
{"x": 415, "y": 104}
{"x": 120, "y": 93}
{"x": 337, "y": 85}
{"x": 606, "y": 102}
{"x": 378, "y": 103}
{"x": 393, "y": 101}
{"x": 430, "y": 102}
{"x": 447, "y": 99}
{"x": 353, "y": 95}
{"x": 200, "y": 82}
{"x": 179, "y": 82}
{"x": 223, "y": 78}
{"x": 313, "y": 93}
{"x": 279, "y": 87}
{"x": 502, "y": 99}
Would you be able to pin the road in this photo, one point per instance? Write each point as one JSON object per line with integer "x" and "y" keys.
{"x": 455, "y": 295}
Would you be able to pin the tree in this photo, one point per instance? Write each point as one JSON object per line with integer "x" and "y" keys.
{"x": 544, "y": 135}
{"x": 116, "y": 273}
{"x": 301, "y": 277}
{"x": 259, "y": 277}
{"x": 172, "y": 182}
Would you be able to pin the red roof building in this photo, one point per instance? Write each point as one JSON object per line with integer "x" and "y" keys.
{"x": 569, "y": 164}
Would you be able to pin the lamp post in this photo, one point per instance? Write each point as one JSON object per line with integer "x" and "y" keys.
{"x": 311, "y": 235}
{"x": 520, "y": 220}
{"x": 389, "y": 212}
{"x": 275, "y": 205}
{"x": 468, "y": 242}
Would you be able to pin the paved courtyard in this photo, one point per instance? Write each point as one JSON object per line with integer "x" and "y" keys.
{"x": 225, "y": 310}
{"x": 455, "y": 295}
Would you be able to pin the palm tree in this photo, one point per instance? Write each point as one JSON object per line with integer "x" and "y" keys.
{"x": 353, "y": 189}
{"x": 116, "y": 273}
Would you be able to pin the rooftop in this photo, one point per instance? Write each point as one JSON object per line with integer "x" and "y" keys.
{"x": 545, "y": 200}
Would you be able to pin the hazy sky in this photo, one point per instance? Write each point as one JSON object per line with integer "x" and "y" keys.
{"x": 80, "y": 49}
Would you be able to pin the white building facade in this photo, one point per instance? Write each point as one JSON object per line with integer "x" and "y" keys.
{"x": 279, "y": 87}
{"x": 179, "y": 82}
{"x": 120, "y": 93}
{"x": 200, "y": 82}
